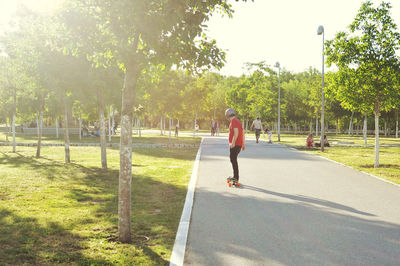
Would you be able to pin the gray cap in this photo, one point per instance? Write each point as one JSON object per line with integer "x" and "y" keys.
{"x": 230, "y": 112}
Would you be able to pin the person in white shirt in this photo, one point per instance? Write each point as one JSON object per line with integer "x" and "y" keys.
{"x": 258, "y": 127}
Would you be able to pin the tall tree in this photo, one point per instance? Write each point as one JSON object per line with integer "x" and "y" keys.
{"x": 367, "y": 55}
{"x": 135, "y": 33}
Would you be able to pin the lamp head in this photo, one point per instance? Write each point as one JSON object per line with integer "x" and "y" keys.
{"x": 277, "y": 64}
{"x": 320, "y": 30}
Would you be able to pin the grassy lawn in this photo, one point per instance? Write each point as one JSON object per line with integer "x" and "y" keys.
{"x": 145, "y": 138}
{"x": 363, "y": 159}
{"x": 360, "y": 158}
{"x": 300, "y": 140}
{"x": 52, "y": 213}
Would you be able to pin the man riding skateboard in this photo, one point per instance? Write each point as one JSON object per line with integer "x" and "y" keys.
{"x": 236, "y": 143}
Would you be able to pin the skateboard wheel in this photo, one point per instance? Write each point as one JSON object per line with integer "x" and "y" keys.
{"x": 227, "y": 181}
{"x": 229, "y": 184}
{"x": 238, "y": 184}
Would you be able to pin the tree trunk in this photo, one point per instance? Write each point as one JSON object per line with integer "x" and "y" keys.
{"x": 377, "y": 109}
{"x": 351, "y": 124}
{"x": 13, "y": 133}
{"x": 57, "y": 133}
{"x": 125, "y": 173}
{"x": 161, "y": 126}
{"x": 7, "y": 129}
{"x": 103, "y": 141}
{"x": 311, "y": 126}
{"x": 385, "y": 129}
{"x": 316, "y": 126}
{"x": 397, "y": 124}
{"x": 37, "y": 125}
{"x": 80, "y": 126}
{"x": 109, "y": 124}
{"x": 14, "y": 114}
{"x": 113, "y": 123}
{"x": 40, "y": 126}
{"x": 169, "y": 124}
{"x": 365, "y": 128}
{"x": 139, "y": 127}
{"x": 66, "y": 133}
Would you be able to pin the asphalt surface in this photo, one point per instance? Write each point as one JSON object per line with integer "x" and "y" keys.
{"x": 293, "y": 209}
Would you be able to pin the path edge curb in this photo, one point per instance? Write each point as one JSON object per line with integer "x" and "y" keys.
{"x": 179, "y": 249}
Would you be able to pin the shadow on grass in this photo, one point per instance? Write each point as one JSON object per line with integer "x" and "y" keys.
{"x": 164, "y": 152}
{"x": 24, "y": 241}
{"x": 156, "y": 209}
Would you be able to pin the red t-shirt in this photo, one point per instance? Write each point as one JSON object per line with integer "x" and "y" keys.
{"x": 235, "y": 123}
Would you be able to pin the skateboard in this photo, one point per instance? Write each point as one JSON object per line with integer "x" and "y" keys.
{"x": 232, "y": 182}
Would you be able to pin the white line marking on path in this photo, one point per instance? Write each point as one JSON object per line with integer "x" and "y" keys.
{"x": 178, "y": 252}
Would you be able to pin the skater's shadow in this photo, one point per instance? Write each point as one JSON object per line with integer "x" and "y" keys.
{"x": 301, "y": 198}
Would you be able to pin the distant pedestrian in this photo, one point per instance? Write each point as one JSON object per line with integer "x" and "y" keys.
{"x": 236, "y": 141}
{"x": 257, "y": 125}
{"x": 213, "y": 127}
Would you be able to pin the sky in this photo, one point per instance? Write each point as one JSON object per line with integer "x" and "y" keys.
{"x": 263, "y": 30}
{"x": 283, "y": 30}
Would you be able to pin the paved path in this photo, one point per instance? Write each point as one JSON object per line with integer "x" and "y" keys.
{"x": 293, "y": 209}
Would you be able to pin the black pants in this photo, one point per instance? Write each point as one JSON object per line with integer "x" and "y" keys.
{"x": 234, "y": 152}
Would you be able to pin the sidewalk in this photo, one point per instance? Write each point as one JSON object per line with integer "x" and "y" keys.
{"x": 293, "y": 209}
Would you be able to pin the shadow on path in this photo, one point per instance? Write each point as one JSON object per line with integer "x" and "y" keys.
{"x": 265, "y": 232}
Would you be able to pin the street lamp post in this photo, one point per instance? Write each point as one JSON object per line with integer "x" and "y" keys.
{"x": 279, "y": 100}
{"x": 321, "y": 31}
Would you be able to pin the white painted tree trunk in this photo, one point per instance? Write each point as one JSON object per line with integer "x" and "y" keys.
{"x": 365, "y": 128}
{"x": 113, "y": 124}
{"x": 80, "y": 127}
{"x": 376, "y": 165}
{"x": 109, "y": 124}
{"x": 161, "y": 125}
{"x": 140, "y": 128}
{"x": 316, "y": 126}
{"x": 169, "y": 124}
{"x": 103, "y": 136}
{"x": 337, "y": 126}
{"x": 57, "y": 133}
{"x": 386, "y": 128}
{"x": 311, "y": 126}
{"x": 7, "y": 129}
{"x": 37, "y": 125}
{"x": 40, "y": 127}
{"x": 350, "y": 131}
{"x": 13, "y": 133}
{"x": 66, "y": 133}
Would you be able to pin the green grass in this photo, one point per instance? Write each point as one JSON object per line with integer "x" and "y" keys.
{"x": 300, "y": 140}
{"x": 360, "y": 158}
{"x": 363, "y": 159}
{"x": 145, "y": 138}
{"x": 54, "y": 213}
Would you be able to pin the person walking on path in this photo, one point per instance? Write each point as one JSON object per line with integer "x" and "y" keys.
{"x": 236, "y": 140}
{"x": 258, "y": 127}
